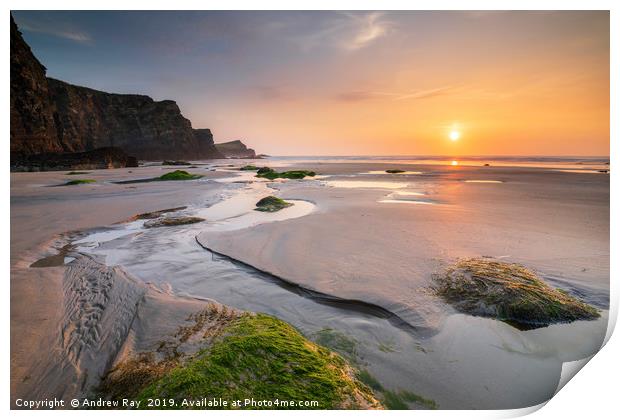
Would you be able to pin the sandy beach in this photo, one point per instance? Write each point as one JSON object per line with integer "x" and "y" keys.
{"x": 355, "y": 254}
{"x": 308, "y": 209}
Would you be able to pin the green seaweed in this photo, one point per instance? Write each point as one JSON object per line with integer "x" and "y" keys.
{"x": 336, "y": 341}
{"x": 397, "y": 400}
{"x": 129, "y": 377}
{"x": 264, "y": 358}
{"x": 269, "y": 173}
{"x": 365, "y": 376}
{"x": 271, "y": 204}
{"x": 157, "y": 213}
{"x": 386, "y": 347}
{"x": 175, "y": 163}
{"x": 178, "y": 175}
{"x": 264, "y": 170}
{"x": 249, "y": 168}
{"x": 510, "y": 293}
{"x": 79, "y": 181}
{"x": 77, "y": 173}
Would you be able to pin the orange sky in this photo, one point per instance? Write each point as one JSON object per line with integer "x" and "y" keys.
{"x": 532, "y": 91}
{"x": 343, "y": 83}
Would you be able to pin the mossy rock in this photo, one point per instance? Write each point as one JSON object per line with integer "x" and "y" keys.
{"x": 178, "y": 175}
{"x": 249, "y": 168}
{"x": 394, "y": 171}
{"x": 79, "y": 181}
{"x": 269, "y": 173}
{"x": 271, "y": 204}
{"x": 509, "y": 293}
{"x": 175, "y": 163}
{"x": 157, "y": 213}
{"x": 173, "y": 221}
{"x": 261, "y": 357}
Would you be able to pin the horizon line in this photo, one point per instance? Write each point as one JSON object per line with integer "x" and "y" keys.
{"x": 442, "y": 156}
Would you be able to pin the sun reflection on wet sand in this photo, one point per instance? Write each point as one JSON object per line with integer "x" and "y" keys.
{"x": 392, "y": 173}
{"x": 393, "y": 201}
{"x": 367, "y": 184}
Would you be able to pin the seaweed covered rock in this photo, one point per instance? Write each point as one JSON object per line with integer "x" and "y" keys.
{"x": 249, "y": 168}
{"x": 261, "y": 357}
{"x": 178, "y": 176}
{"x": 238, "y": 356}
{"x": 157, "y": 213}
{"x": 264, "y": 170}
{"x": 271, "y": 204}
{"x": 509, "y": 293}
{"x": 394, "y": 171}
{"x": 173, "y": 221}
{"x": 269, "y": 173}
{"x": 175, "y": 163}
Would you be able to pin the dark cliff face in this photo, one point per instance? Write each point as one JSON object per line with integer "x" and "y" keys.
{"x": 32, "y": 124}
{"x": 88, "y": 119}
{"x": 49, "y": 115}
{"x": 235, "y": 149}
{"x": 205, "y": 143}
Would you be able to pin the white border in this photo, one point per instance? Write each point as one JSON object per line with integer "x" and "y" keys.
{"x": 591, "y": 395}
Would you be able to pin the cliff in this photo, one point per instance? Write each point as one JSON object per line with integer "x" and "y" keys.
{"x": 206, "y": 144}
{"x": 33, "y": 129}
{"x": 51, "y": 116}
{"x": 235, "y": 149}
{"x": 88, "y": 119}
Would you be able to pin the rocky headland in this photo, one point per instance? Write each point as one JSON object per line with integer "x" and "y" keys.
{"x": 51, "y": 118}
{"x": 235, "y": 149}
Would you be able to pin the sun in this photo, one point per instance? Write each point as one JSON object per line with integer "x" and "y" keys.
{"x": 454, "y": 135}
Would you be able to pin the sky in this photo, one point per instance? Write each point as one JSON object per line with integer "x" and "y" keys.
{"x": 352, "y": 83}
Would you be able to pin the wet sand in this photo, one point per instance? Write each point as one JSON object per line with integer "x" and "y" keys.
{"x": 557, "y": 223}
{"x": 39, "y": 213}
{"x": 355, "y": 242}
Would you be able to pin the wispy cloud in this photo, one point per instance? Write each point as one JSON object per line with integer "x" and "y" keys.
{"x": 366, "y": 29}
{"x": 66, "y": 33}
{"x": 362, "y": 95}
{"x": 427, "y": 93}
{"x": 269, "y": 92}
{"x": 348, "y": 31}
{"x": 366, "y": 95}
